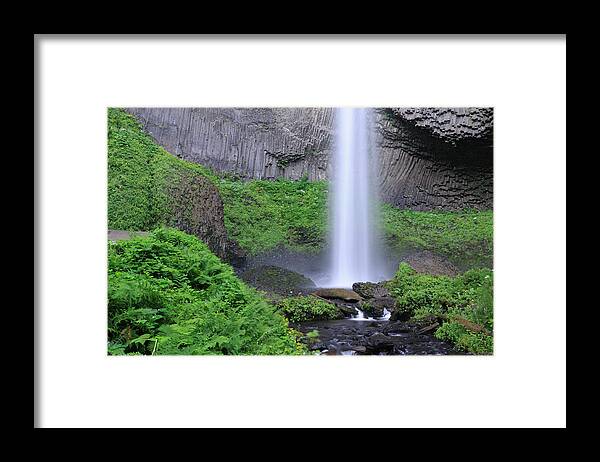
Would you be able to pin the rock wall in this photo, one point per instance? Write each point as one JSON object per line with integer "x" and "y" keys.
{"x": 260, "y": 143}
{"x": 436, "y": 158}
{"x": 429, "y": 158}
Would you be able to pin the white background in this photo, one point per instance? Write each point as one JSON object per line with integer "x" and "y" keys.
{"x": 523, "y": 384}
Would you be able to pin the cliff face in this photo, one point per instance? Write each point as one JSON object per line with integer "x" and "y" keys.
{"x": 260, "y": 143}
{"x": 148, "y": 187}
{"x": 436, "y": 158}
{"x": 429, "y": 158}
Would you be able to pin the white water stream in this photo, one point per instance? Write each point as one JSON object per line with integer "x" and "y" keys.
{"x": 352, "y": 200}
{"x": 355, "y": 256}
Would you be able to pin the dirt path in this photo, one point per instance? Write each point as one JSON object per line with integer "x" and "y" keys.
{"x": 119, "y": 235}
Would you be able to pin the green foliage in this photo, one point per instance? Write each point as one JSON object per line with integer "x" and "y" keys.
{"x": 468, "y": 296}
{"x": 139, "y": 173}
{"x": 465, "y": 237}
{"x": 313, "y": 334}
{"x": 168, "y": 294}
{"x": 307, "y": 308}
{"x": 262, "y": 215}
{"x": 464, "y": 339}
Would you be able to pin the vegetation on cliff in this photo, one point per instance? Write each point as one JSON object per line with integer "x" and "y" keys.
{"x": 465, "y": 238}
{"x": 262, "y": 215}
{"x": 168, "y": 294}
{"x": 139, "y": 174}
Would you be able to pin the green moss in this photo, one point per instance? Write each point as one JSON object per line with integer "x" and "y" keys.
{"x": 140, "y": 173}
{"x": 465, "y": 238}
{"x": 262, "y": 215}
{"x": 168, "y": 294}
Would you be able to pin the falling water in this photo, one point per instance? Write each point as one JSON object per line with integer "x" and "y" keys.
{"x": 353, "y": 236}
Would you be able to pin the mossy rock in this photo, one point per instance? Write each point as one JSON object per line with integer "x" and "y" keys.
{"x": 278, "y": 280}
{"x": 343, "y": 294}
{"x": 374, "y": 307}
{"x": 370, "y": 289}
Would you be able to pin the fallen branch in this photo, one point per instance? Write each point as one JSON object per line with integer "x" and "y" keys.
{"x": 469, "y": 325}
{"x": 428, "y": 328}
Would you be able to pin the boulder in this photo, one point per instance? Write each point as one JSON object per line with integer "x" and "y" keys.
{"x": 342, "y": 294}
{"x": 277, "y": 280}
{"x": 380, "y": 343}
{"x": 374, "y": 307}
{"x": 348, "y": 310}
{"x": 370, "y": 289}
{"x": 395, "y": 327}
{"x": 371, "y": 309}
{"x": 364, "y": 289}
{"x": 389, "y": 303}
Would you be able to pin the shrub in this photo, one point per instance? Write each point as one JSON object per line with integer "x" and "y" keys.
{"x": 463, "y": 339}
{"x": 307, "y": 308}
{"x": 467, "y": 297}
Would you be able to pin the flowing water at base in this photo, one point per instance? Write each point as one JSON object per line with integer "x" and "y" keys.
{"x": 374, "y": 337}
{"x": 361, "y": 316}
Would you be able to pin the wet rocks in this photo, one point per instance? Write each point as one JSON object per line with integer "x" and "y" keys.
{"x": 395, "y": 328}
{"x": 350, "y": 337}
{"x": 348, "y": 310}
{"x": 376, "y": 299}
{"x": 371, "y": 309}
{"x": 364, "y": 289}
{"x": 379, "y": 304}
{"x": 400, "y": 315}
{"x": 370, "y": 289}
{"x": 379, "y": 343}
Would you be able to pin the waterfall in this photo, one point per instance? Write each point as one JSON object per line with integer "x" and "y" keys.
{"x": 354, "y": 253}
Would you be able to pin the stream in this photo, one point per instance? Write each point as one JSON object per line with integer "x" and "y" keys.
{"x": 360, "y": 335}
{"x": 373, "y": 337}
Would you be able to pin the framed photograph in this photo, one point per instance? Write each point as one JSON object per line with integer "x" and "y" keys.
{"x": 221, "y": 225}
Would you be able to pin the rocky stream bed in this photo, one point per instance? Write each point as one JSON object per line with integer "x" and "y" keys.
{"x": 373, "y": 337}
{"x": 385, "y": 333}
{"x": 368, "y": 321}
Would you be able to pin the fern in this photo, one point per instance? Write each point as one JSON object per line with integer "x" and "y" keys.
{"x": 169, "y": 294}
